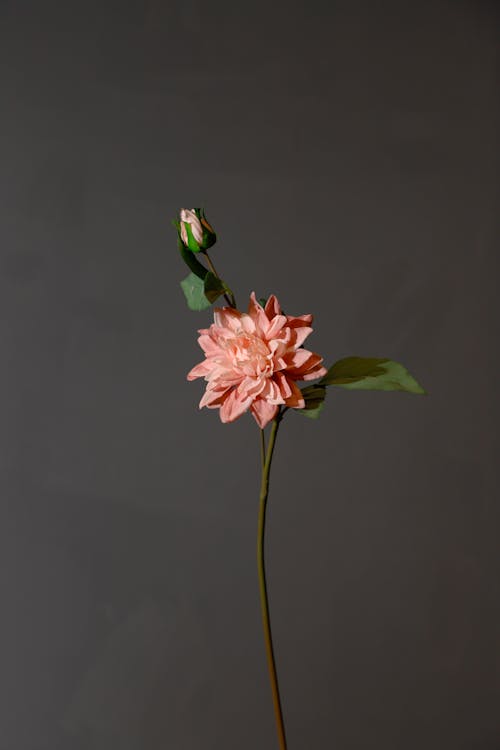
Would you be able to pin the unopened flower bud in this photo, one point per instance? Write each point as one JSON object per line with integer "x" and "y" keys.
{"x": 195, "y": 231}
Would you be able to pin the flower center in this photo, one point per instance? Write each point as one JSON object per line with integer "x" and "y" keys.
{"x": 249, "y": 353}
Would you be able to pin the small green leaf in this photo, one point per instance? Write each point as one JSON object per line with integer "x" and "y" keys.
{"x": 214, "y": 287}
{"x": 371, "y": 373}
{"x": 314, "y": 397}
{"x": 194, "y": 291}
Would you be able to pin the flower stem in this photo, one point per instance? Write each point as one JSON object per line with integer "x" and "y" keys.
{"x": 230, "y": 300}
{"x": 262, "y": 448}
{"x": 266, "y": 620}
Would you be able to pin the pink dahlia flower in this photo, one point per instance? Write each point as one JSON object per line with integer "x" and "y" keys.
{"x": 253, "y": 360}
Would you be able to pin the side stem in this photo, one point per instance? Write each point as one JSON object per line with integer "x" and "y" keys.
{"x": 266, "y": 620}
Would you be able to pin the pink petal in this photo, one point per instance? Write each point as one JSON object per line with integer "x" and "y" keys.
{"x": 234, "y": 406}
{"x": 297, "y": 359}
{"x": 300, "y": 320}
{"x": 199, "y": 371}
{"x": 283, "y": 385}
{"x": 263, "y": 412}
{"x": 301, "y": 362}
{"x": 221, "y": 375}
{"x": 296, "y": 399}
{"x": 301, "y": 334}
{"x": 272, "y": 307}
{"x": 226, "y": 317}
{"x": 278, "y": 364}
{"x": 280, "y": 346}
{"x": 252, "y": 386}
{"x": 213, "y": 398}
{"x": 272, "y": 393}
{"x": 247, "y": 323}
{"x": 259, "y": 317}
{"x": 209, "y": 346}
{"x": 316, "y": 372}
{"x": 277, "y": 323}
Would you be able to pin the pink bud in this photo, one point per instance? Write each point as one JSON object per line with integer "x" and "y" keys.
{"x": 189, "y": 216}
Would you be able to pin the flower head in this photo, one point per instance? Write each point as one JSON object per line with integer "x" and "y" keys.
{"x": 253, "y": 360}
{"x": 195, "y": 231}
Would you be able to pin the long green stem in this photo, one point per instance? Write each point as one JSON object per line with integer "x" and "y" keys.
{"x": 231, "y": 301}
{"x": 266, "y": 620}
{"x": 262, "y": 448}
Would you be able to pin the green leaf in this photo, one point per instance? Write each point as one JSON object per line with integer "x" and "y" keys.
{"x": 214, "y": 287}
{"x": 371, "y": 373}
{"x": 191, "y": 261}
{"x": 314, "y": 397}
{"x": 194, "y": 291}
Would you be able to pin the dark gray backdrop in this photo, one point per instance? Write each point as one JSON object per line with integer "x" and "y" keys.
{"x": 346, "y": 153}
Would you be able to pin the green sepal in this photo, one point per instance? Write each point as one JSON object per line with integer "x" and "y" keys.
{"x": 191, "y": 243}
{"x": 209, "y": 236}
{"x": 314, "y": 397}
{"x": 371, "y": 373}
{"x": 194, "y": 292}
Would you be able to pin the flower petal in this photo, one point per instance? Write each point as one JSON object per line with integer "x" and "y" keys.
{"x": 234, "y": 406}
{"x": 296, "y": 399}
{"x": 300, "y": 335}
{"x": 316, "y": 372}
{"x": 272, "y": 307}
{"x": 252, "y": 386}
{"x": 271, "y": 392}
{"x": 226, "y": 317}
{"x": 298, "y": 321}
{"x": 277, "y": 324}
{"x": 209, "y": 346}
{"x": 215, "y": 397}
{"x": 199, "y": 371}
{"x": 259, "y": 317}
{"x": 283, "y": 385}
{"x": 301, "y": 362}
{"x": 263, "y": 412}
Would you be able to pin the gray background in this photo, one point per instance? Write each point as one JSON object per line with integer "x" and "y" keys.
{"x": 346, "y": 153}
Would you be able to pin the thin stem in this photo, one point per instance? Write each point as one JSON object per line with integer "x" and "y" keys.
{"x": 230, "y": 300}
{"x": 262, "y": 448}
{"x": 266, "y": 620}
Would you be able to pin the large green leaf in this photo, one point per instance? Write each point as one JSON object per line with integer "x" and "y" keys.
{"x": 191, "y": 261}
{"x": 314, "y": 397}
{"x": 201, "y": 293}
{"x": 214, "y": 287}
{"x": 371, "y": 373}
{"x": 194, "y": 291}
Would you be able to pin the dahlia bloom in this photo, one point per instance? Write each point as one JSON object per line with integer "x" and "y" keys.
{"x": 253, "y": 360}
